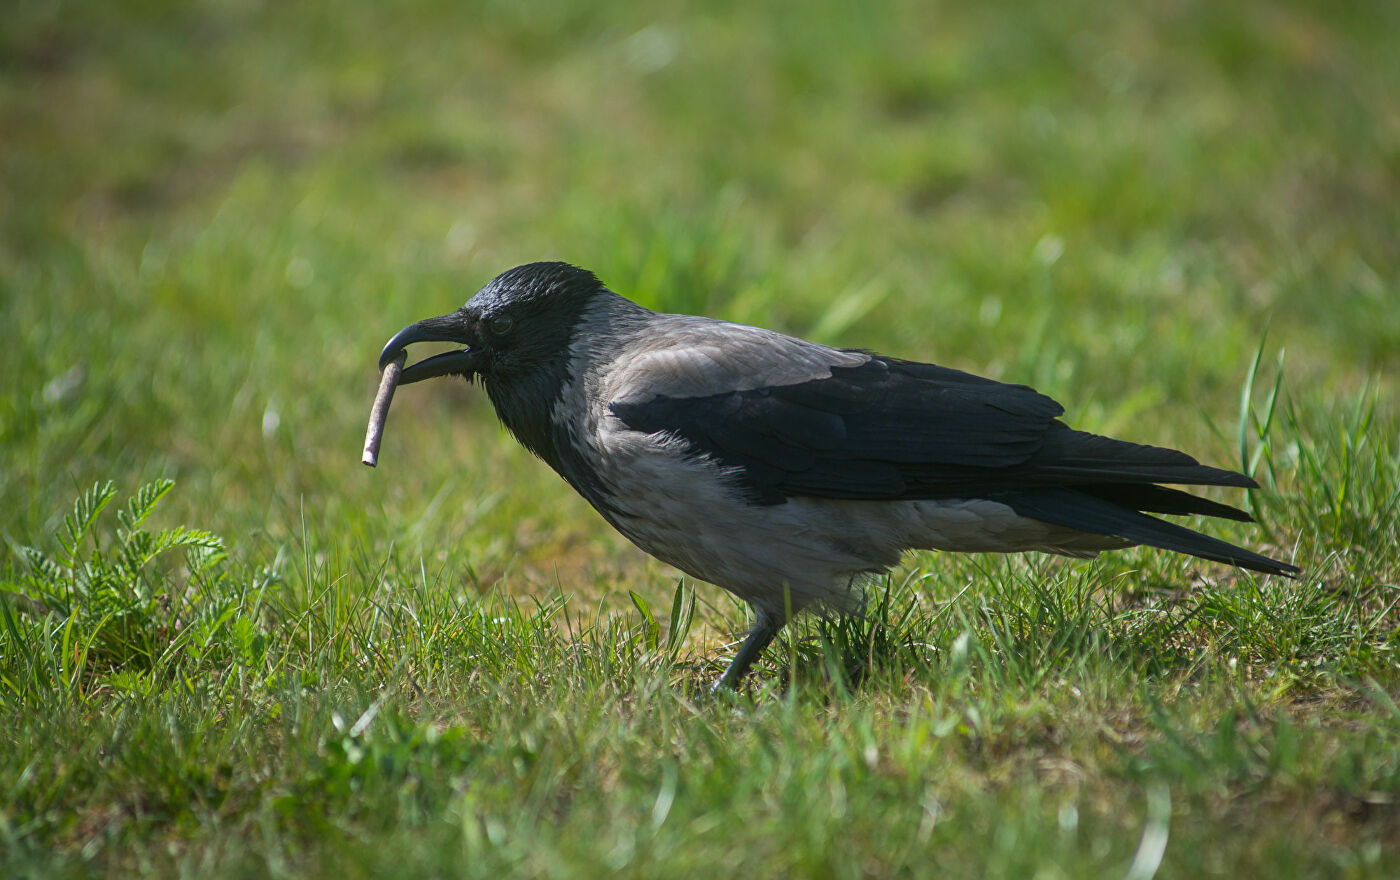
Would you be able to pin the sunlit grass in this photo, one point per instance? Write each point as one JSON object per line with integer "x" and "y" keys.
{"x": 1180, "y": 222}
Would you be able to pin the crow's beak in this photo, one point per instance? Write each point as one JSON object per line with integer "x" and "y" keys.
{"x": 455, "y": 327}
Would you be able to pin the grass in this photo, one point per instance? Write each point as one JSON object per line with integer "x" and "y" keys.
{"x": 227, "y": 649}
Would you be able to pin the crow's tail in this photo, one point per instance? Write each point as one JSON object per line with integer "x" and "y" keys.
{"x": 1077, "y": 509}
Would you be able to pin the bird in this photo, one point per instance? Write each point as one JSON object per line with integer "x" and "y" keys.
{"x": 791, "y": 473}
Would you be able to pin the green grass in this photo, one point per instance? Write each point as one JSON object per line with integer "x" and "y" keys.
{"x": 1180, "y": 222}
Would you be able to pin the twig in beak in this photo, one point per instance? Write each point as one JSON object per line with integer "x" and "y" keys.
{"x": 388, "y": 381}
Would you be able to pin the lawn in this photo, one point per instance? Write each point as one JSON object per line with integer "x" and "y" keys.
{"x": 228, "y": 649}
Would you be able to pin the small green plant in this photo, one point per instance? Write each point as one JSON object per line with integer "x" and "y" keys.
{"x": 113, "y": 605}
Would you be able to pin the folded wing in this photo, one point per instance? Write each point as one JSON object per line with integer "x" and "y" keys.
{"x": 861, "y": 426}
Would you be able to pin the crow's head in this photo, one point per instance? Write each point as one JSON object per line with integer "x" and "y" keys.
{"x": 518, "y": 324}
{"x": 516, "y": 334}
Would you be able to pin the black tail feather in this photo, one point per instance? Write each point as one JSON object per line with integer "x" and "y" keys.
{"x": 1087, "y": 513}
{"x": 1079, "y": 457}
{"x": 1159, "y": 499}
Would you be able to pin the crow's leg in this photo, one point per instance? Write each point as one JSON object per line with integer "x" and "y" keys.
{"x": 765, "y": 627}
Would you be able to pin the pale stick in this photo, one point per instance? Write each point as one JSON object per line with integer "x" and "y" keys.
{"x": 388, "y": 381}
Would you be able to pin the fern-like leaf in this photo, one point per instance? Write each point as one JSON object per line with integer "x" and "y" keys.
{"x": 42, "y": 566}
{"x": 78, "y": 524}
{"x": 140, "y": 506}
{"x": 141, "y": 546}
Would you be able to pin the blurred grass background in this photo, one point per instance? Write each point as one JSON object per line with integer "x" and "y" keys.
{"x": 213, "y": 214}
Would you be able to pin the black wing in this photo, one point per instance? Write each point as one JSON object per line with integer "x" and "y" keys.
{"x": 892, "y": 429}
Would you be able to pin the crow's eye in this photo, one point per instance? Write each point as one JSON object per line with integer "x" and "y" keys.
{"x": 499, "y": 325}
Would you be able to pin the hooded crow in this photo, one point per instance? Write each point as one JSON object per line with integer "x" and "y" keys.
{"x": 788, "y": 472}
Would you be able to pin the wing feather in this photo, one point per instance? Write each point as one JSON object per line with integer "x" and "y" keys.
{"x": 800, "y": 419}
